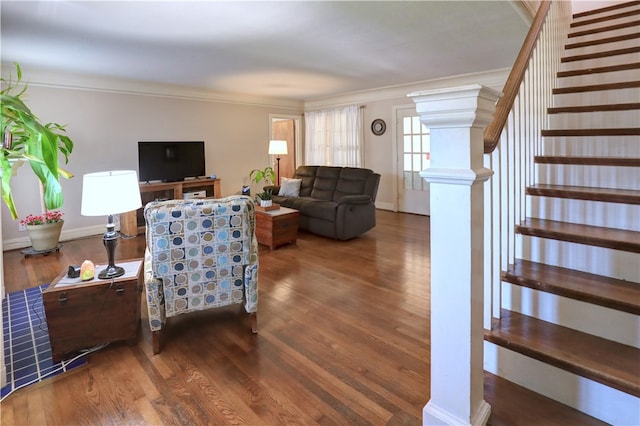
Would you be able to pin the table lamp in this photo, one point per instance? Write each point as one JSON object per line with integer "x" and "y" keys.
{"x": 278, "y": 148}
{"x": 106, "y": 194}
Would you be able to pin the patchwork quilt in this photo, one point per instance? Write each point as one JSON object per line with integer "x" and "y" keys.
{"x": 200, "y": 254}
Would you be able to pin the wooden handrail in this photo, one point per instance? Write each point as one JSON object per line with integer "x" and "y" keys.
{"x": 505, "y": 103}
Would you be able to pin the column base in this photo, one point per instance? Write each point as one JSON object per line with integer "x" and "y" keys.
{"x": 433, "y": 415}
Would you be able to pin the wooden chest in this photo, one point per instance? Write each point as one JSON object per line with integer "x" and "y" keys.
{"x": 81, "y": 315}
{"x": 277, "y": 227}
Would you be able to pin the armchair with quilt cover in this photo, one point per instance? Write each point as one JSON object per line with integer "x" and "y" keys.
{"x": 200, "y": 254}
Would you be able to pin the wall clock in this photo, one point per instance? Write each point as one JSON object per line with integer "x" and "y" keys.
{"x": 378, "y": 126}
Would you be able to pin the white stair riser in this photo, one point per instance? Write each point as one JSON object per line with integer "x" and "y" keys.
{"x": 612, "y": 146}
{"x": 597, "y": 400}
{"x": 621, "y": 327}
{"x": 596, "y": 260}
{"x": 595, "y": 120}
{"x": 593, "y": 213}
{"x": 591, "y": 176}
{"x": 604, "y": 47}
{"x": 599, "y": 78}
{"x": 599, "y": 36}
{"x": 600, "y": 62}
{"x": 617, "y": 96}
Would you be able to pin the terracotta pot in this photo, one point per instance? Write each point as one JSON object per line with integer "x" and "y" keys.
{"x": 45, "y": 236}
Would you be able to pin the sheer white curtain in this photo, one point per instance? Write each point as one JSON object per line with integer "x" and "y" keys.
{"x": 332, "y": 137}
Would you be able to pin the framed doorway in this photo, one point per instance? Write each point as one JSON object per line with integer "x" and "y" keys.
{"x": 412, "y": 152}
{"x": 288, "y": 128}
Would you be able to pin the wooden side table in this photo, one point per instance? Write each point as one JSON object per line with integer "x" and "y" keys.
{"x": 85, "y": 314}
{"x": 277, "y": 227}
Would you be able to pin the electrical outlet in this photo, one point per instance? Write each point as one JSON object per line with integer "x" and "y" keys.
{"x": 22, "y": 227}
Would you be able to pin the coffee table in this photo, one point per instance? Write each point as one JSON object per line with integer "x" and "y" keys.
{"x": 277, "y": 227}
{"x": 85, "y": 314}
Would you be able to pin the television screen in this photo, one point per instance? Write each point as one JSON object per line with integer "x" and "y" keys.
{"x": 170, "y": 161}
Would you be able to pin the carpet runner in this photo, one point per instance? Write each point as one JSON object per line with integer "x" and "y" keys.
{"x": 27, "y": 350}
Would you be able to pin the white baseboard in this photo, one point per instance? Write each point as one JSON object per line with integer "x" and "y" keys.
{"x": 71, "y": 234}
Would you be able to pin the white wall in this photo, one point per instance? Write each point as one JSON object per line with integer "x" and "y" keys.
{"x": 106, "y": 125}
{"x": 379, "y": 150}
{"x": 578, "y": 6}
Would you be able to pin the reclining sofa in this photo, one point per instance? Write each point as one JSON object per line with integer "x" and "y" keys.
{"x": 335, "y": 202}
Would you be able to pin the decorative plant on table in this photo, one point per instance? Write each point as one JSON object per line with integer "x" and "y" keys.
{"x": 265, "y": 177}
{"x": 25, "y": 139}
{"x": 265, "y": 197}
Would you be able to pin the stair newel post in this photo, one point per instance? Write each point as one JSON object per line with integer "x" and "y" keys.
{"x": 456, "y": 118}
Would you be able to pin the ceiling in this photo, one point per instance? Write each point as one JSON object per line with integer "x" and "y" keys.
{"x": 295, "y": 49}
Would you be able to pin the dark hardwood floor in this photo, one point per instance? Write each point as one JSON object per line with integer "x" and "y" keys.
{"x": 343, "y": 339}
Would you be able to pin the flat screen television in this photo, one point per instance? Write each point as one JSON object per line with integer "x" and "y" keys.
{"x": 170, "y": 161}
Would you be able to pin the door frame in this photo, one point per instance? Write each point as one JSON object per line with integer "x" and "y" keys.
{"x": 297, "y": 132}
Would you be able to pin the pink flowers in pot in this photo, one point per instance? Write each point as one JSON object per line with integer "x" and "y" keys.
{"x": 47, "y": 217}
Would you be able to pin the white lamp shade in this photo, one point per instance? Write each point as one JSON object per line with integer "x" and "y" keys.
{"x": 277, "y": 147}
{"x": 106, "y": 193}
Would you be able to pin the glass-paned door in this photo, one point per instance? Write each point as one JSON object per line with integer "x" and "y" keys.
{"x": 413, "y": 157}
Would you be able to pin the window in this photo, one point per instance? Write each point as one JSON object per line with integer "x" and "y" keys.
{"x": 416, "y": 152}
{"x": 332, "y": 137}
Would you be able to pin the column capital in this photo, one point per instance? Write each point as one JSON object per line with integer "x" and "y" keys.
{"x": 463, "y": 106}
{"x": 456, "y": 176}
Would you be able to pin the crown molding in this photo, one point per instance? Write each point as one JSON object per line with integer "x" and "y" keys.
{"x": 494, "y": 79}
{"x": 40, "y": 77}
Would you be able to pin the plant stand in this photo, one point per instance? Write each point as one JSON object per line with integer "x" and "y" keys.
{"x": 30, "y": 251}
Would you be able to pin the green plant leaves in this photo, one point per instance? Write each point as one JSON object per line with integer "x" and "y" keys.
{"x": 39, "y": 144}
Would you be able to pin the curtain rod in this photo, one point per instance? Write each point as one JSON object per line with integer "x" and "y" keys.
{"x": 334, "y": 107}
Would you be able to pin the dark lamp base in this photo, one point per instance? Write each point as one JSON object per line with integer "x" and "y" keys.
{"x": 111, "y": 272}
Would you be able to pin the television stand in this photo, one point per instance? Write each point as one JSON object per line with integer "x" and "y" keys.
{"x": 132, "y": 223}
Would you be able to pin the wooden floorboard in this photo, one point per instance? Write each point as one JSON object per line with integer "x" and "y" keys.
{"x": 343, "y": 339}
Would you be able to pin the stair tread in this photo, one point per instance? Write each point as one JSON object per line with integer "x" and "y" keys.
{"x": 605, "y": 40}
{"x": 619, "y": 239}
{"x": 595, "y": 55}
{"x": 515, "y": 405}
{"x": 606, "y": 9}
{"x": 598, "y": 70}
{"x": 604, "y": 29}
{"x": 612, "y": 195}
{"x": 597, "y": 289}
{"x": 633, "y": 131}
{"x": 588, "y": 161}
{"x": 596, "y": 87}
{"x": 594, "y": 108}
{"x": 618, "y": 15}
{"x": 604, "y": 361}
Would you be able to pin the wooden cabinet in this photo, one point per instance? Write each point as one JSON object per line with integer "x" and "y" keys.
{"x": 132, "y": 223}
{"x": 81, "y": 314}
{"x": 277, "y": 227}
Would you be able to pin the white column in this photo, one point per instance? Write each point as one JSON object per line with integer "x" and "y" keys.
{"x": 456, "y": 118}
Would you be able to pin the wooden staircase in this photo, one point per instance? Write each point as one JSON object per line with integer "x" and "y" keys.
{"x": 570, "y": 312}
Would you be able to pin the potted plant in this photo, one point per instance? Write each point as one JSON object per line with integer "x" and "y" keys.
{"x": 44, "y": 230}
{"x": 265, "y": 198}
{"x": 266, "y": 175}
{"x": 25, "y": 139}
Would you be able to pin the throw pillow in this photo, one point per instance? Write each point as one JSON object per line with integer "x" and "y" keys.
{"x": 289, "y": 187}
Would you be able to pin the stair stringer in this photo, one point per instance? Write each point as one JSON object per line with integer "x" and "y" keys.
{"x": 597, "y": 400}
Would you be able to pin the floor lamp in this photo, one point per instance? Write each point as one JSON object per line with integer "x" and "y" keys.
{"x": 278, "y": 148}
